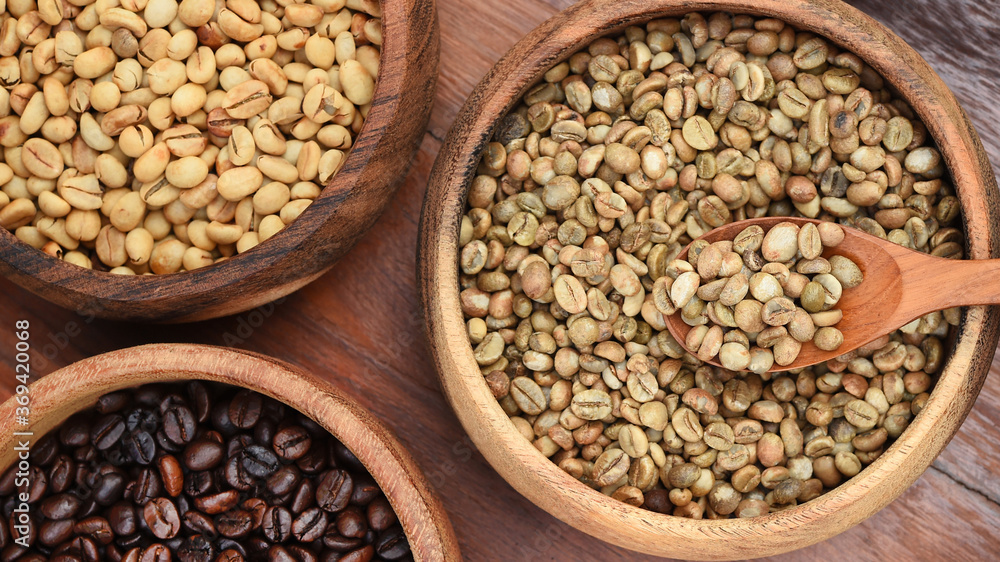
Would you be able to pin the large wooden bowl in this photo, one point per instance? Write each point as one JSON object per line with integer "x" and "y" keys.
{"x": 57, "y": 396}
{"x": 543, "y": 482}
{"x": 345, "y": 210}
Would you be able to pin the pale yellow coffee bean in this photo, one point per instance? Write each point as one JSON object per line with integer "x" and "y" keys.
{"x": 117, "y": 120}
{"x": 159, "y": 13}
{"x": 135, "y": 140}
{"x": 241, "y": 146}
{"x": 270, "y": 198}
{"x": 186, "y": 172}
{"x": 138, "y": 246}
{"x": 110, "y": 246}
{"x": 115, "y": 18}
{"x": 82, "y": 192}
{"x": 240, "y": 182}
{"x": 34, "y": 114}
{"x": 188, "y": 99}
{"x": 110, "y": 171}
{"x": 247, "y": 241}
{"x": 42, "y": 159}
{"x": 247, "y": 99}
{"x": 105, "y": 96}
{"x": 269, "y": 226}
{"x": 223, "y": 233}
{"x": 93, "y": 136}
{"x": 277, "y": 168}
{"x": 293, "y": 209}
{"x": 94, "y": 62}
{"x": 329, "y": 165}
{"x": 167, "y": 256}
{"x": 83, "y": 225}
{"x": 166, "y": 75}
{"x": 53, "y": 205}
{"x": 128, "y": 212}
{"x": 152, "y": 163}
{"x": 359, "y": 86}
{"x": 18, "y": 212}
{"x": 308, "y": 159}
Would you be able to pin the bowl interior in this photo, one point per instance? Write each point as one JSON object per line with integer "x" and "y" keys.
{"x": 541, "y": 480}
{"x": 57, "y": 396}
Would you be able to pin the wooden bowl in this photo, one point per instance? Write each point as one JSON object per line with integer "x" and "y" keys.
{"x": 541, "y": 481}
{"x": 57, "y": 396}
{"x": 345, "y": 210}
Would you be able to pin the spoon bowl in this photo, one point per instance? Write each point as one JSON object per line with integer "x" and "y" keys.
{"x": 900, "y": 285}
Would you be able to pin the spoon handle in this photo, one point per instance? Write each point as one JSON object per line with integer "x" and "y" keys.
{"x": 932, "y": 283}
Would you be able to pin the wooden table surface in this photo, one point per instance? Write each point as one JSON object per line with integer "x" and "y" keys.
{"x": 359, "y": 325}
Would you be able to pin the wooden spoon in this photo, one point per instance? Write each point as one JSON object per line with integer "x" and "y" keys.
{"x": 900, "y": 285}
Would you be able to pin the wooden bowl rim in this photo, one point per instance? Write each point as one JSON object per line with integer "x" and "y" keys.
{"x": 66, "y": 391}
{"x": 106, "y": 286}
{"x": 540, "y": 480}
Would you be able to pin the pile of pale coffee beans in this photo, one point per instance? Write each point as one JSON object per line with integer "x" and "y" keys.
{"x": 590, "y": 189}
{"x": 156, "y": 136}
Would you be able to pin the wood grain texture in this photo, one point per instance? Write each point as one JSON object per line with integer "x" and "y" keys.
{"x": 328, "y": 229}
{"x": 359, "y": 326}
{"x": 568, "y": 499}
{"x": 78, "y": 386}
{"x": 900, "y": 285}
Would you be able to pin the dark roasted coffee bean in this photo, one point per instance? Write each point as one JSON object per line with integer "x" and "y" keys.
{"x": 220, "y": 419}
{"x": 277, "y": 524}
{"x": 140, "y": 447}
{"x": 291, "y": 443}
{"x": 256, "y": 508}
{"x": 82, "y": 548}
{"x": 380, "y": 514}
{"x": 128, "y": 542}
{"x": 107, "y": 431}
{"x": 310, "y": 525}
{"x": 45, "y": 450}
{"x": 304, "y": 496}
{"x": 236, "y": 475}
{"x": 245, "y": 409}
{"x": 391, "y": 544}
{"x": 199, "y": 483}
{"x": 164, "y": 442}
{"x": 141, "y": 419}
{"x": 199, "y": 400}
{"x": 122, "y": 517}
{"x": 302, "y": 554}
{"x": 109, "y": 487}
{"x": 363, "y": 554}
{"x": 351, "y": 523}
{"x": 112, "y": 402}
{"x": 161, "y": 516}
{"x": 198, "y": 523}
{"x": 155, "y": 553}
{"x": 278, "y": 553}
{"x": 61, "y": 474}
{"x": 52, "y": 533}
{"x": 229, "y": 555}
{"x": 258, "y": 461}
{"x": 658, "y": 501}
{"x": 97, "y": 528}
{"x": 256, "y": 547}
{"x": 217, "y": 503}
{"x": 85, "y": 454}
{"x": 147, "y": 486}
{"x": 203, "y": 455}
{"x": 316, "y": 460}
{"x": 365, "y": 490}
{"x": 75, "y": 431}
{"x": 38, "y": 484}
{"x": 60, "y": 506}
{"x": 228, "y": 544}
{"x": 264, "y": 431}
{"x": 235, "y": 523}
{"x": 196, "y": 548}
{"x": 179, "y": 424}
{"x": 284, "y": 480}
{"x": 338, "y": 543}
{"x": 334, "y": 490}
{"x": 346, "y": 459}
{"x": 171, "y": 475}
{"x": 116, "y": 455}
